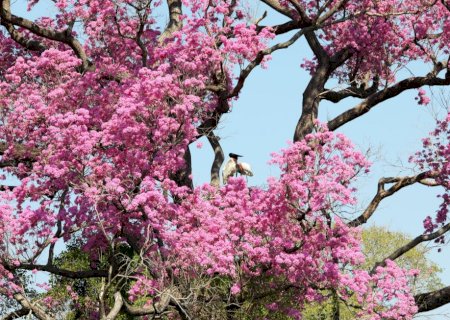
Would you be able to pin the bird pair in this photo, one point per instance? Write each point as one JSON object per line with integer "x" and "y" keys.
{"x": 233, "y": 167}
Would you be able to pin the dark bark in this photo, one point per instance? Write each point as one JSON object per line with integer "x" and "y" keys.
{"x": 412, "y": 244}
{"x": 82, "y": 274}
{"x": 398, "y": 183}
{"x": 16, "y": 314}
{"x": 383, "y": 95}
{"x": 311, "y": 100}
{"x": 432, "y": 300}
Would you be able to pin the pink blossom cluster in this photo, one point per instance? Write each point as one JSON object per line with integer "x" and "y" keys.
{"x": 387, "y": 287}
{"x": 422, "y": 97}
{"x": 285, "y": 231}
{"x": 434, "y": 157}
{"x": 380, "y": 35}
{"x": 96, "y": 152}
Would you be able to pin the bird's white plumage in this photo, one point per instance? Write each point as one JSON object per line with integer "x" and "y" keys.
{"x": 245, "y": 169}
{"x": 229, "y": 170}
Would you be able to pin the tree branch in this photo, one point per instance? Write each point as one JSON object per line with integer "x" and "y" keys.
{"x": 301, "y": 10}
{"x": 118, "y": 303}
{"x": 331, "y": 12}
{"x": 259, "y": 58}
{"x": 355, "y": 92}
{"x": 157, "y": 308}
{"x": 21, "y": 155}
{"x": 432, "y": 300}
{"x": 37, "y": 311}
{"x": 383, "y": 95}
{"x": 316, "y": 47}
{"x": 399, "y": 183}
{"x": 16, "y": 314}
{"x": 82, "y": 274}
{"x": 65, "y": 36}
{"x": 310, "y": 103}
{"x": 412, "y": 244}
{"x": 275, "y": 4}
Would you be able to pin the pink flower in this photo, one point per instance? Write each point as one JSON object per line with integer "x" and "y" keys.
{"x": 235, "y": 289}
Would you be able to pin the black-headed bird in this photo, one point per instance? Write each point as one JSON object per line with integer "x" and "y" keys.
{"x": 233, "y": 167}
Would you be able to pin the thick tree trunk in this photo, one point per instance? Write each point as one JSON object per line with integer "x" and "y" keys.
{"x": 311, "y": 100}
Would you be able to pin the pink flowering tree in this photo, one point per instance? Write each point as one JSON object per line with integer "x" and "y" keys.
{"x": 98, "y": 107}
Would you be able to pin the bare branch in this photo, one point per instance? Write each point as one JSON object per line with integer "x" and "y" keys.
{"x": 383, "y": 95}
{"x": 399, "y": 183}
{"x": 277, "y": 6}
{"x": 259, "y": 58}
{"x": 301, "y": 10}
{"x": 316, "y": 47}
{"x": 37, "y": 311}
{"x": 58, "y": 232}
{"x": 118, "y": 303}
{"x": 412, "y": 244}
{"x": 310, "y": 103}
{"x": 331, "y": 12}
{"x": 284, "y": 27}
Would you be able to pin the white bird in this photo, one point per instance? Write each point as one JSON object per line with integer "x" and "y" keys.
{"x": 233, "y": 166}
{"x": 244, "y": 169}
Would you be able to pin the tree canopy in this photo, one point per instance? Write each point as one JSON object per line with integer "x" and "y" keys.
{"x": 98, "y": 107}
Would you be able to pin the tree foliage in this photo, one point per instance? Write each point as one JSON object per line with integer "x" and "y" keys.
{"x": 98, "y": 107}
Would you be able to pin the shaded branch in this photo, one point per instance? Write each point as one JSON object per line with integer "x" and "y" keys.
{"x": 21, "y": 155}
{"x": 284, "y": 27}
{"x": 82, "y": 274}
{"x": 301, "y": 10}
{"x": 310, "y": 103}
{"x": 432, "y": 300}
{"x": 352, "y": 91}
{"x": 183, "y": 177}
{"x": 16, "y": 314}
{"x": 446, "y": 3}
{"x": 157, "y": 308}
{"x": 18, "y": 37}
{"x": 58, "y": 233}
{"x": 399, "y": 183}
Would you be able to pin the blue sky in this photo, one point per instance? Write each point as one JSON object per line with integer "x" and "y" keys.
{"x": 264, "y": 119}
